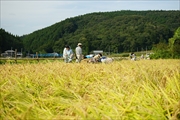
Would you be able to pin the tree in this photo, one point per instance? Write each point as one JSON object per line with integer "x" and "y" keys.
{"x": 174, "y": 44}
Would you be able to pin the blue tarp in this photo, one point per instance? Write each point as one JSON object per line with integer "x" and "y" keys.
{"x": 47, "y": 55}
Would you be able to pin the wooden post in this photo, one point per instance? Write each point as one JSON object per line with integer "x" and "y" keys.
{"x": 15, "y": 55}
{"x": 37, "y": 56}
{"x": 54, "y": 56}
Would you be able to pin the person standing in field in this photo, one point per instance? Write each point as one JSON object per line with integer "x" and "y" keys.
{"x": 134, "y": 57}
{"x": 131, "y": 56}
{"x": 78, "y": 53}
{"x": 67, "y": 54}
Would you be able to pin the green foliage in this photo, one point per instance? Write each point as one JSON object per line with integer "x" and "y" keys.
{"x": 161, "y": 54}
{"x": 160, "y": 51}
{"x": 174, "y": 44}
{"x": 2, "y": 61}
{"x": 8, "y": 40}
{"x": 163, "y": 50}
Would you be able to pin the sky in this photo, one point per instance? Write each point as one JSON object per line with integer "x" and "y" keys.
{"x": 21, "y": 17}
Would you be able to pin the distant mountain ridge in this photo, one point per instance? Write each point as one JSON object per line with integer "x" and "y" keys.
{"x": 118, "y": 31}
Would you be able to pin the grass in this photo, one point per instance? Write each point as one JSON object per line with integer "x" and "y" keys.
{"x": 137, "y": 90}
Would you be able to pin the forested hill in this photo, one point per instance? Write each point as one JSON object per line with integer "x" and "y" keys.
{"x": 9, "y": 41}
{"x": 117, "y": 31}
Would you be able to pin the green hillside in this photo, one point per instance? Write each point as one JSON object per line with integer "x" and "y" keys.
{"x": 8, "y": 41}
{"x": 118, "y": 31}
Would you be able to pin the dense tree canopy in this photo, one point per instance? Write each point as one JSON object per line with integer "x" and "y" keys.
{"x": 9, "y": 41}
{"x": 119, "y": 31}
{"x": 168, "y": 50}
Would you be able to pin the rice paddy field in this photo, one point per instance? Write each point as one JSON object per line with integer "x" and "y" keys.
{"x": 122, "y": 90}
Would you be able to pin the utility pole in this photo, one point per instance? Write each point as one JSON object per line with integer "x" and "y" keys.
{"x": 21, "y": 52}
{"x": 109, "y": 50}
{"x": 11, "y": 51}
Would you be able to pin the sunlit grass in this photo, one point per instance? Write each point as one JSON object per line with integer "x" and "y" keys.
{"x": 147, "y": 89}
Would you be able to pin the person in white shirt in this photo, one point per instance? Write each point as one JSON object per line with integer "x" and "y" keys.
{"x": 67, "y": 54}
{"x": 79, "y": 53}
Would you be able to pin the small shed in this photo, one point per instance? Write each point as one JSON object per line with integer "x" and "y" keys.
{"x": 10, "y": 53}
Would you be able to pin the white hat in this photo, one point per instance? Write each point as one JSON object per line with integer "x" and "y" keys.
{"x": 79, "y": 44}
